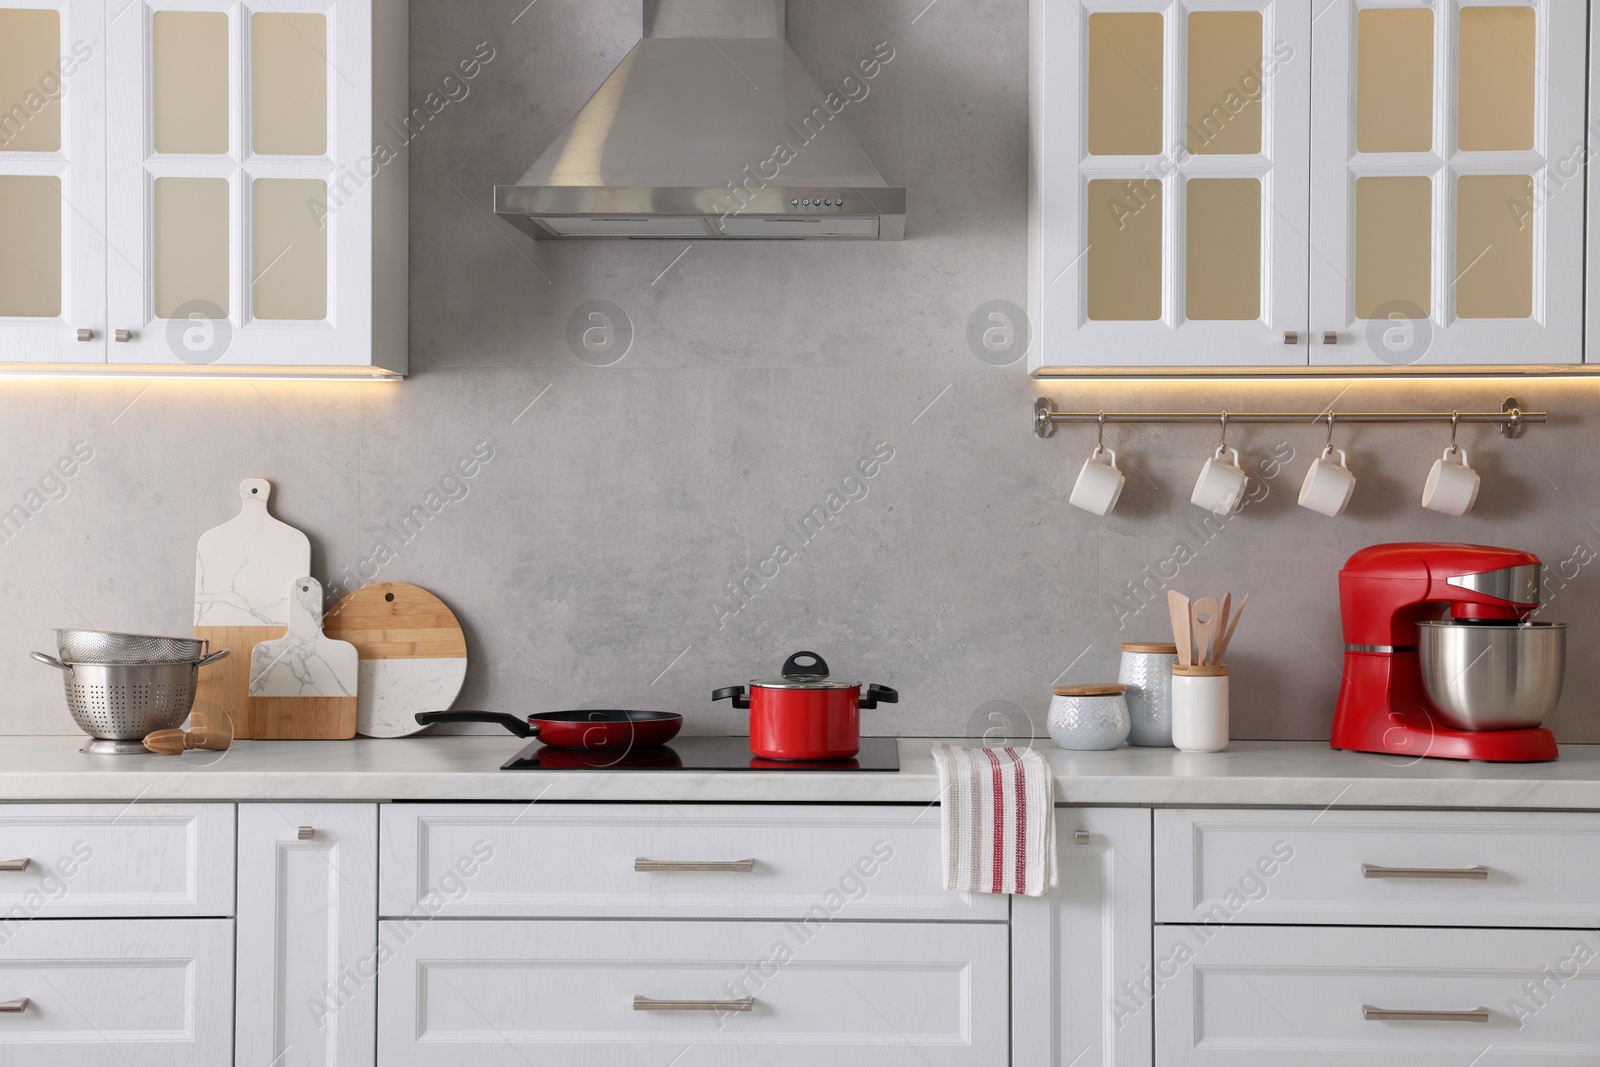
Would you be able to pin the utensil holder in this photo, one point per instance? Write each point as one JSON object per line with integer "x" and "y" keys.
{"x": 1200, "y": 708}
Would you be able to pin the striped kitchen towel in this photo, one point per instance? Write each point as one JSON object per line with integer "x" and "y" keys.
{"x": 997, "y": 808}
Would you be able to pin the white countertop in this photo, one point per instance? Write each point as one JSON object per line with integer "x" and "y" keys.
{"x": 1264, "y": 773}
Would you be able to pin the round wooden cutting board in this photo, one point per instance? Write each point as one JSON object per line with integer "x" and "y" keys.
{"x": 413, "y": 655}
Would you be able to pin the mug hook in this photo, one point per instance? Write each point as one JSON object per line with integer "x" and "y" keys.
{"x": 1330, "y": 430}
{"x": 1100, "y": 433}
{"x": 1224, "y": 443}
{"x": 1455, "y": 418}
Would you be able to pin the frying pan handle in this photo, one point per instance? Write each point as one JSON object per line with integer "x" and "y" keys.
{"x": 817, "y": 667}
{"x": 520, "y": 727}
{"x": 879, "y": 694}
{"x": 736, "y": 694}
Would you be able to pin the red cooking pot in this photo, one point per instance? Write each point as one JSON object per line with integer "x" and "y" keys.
{"x": 805, "y": 715}
{"x": 577, "y": 729}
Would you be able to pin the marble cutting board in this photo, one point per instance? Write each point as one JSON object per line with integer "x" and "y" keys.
{"x": 413, "y": 654}
{"x": 303, "y": 685}
{"x": 243, "y": 571}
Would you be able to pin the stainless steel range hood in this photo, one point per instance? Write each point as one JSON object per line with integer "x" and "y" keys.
{"x": 710, "y": 128}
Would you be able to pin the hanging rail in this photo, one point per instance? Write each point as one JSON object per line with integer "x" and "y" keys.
{"x": 1512, "y": 418}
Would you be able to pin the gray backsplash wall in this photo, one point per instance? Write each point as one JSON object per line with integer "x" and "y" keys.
{"x": 592, "y": 558}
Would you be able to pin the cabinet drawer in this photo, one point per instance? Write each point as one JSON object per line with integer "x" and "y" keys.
{"x": 1394, "y": 868}
{"x": 1244, "y": 996}
{"x": 583, "y": 860}
{"x": 151, "y": 992}
{"x": 115, "y": 860}
{"x": 506, "y": 994}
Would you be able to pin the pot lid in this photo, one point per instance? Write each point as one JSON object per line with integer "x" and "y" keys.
{"x": 804, "y": 681}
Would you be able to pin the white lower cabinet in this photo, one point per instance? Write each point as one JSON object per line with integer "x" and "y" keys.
{"x": 116, "y": 993}
{"x": 1080, "y": 957}
{"x": 1261, "y": 996}
{"x": 649, "y": 993}
{"x": 308, "y": 916}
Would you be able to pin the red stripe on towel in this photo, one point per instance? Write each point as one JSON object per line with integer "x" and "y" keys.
{"x": 1022, "y": 820}
{"x": 999, "y": 820}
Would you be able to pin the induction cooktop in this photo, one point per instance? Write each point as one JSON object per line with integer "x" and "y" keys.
{"x": 698, "y": 754}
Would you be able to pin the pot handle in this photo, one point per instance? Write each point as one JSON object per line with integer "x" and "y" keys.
{"x": 879, "y": 694}
{"x": 219, "y": 654}
{"x": 817, "y": 667}
{"x": 51, "y": 661}
{"x": 736, "y": 694}
{"x": 520, "y": 727}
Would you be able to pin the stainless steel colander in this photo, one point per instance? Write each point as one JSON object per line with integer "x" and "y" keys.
{"x": 117, "y": 704}
{"x": 103, "y": 646}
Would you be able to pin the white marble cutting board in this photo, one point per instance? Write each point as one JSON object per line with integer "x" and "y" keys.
{"x": 303, "y": 663}
{"x": 244, "y": 569}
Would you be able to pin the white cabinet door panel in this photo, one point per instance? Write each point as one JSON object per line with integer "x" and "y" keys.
{"x": 79, "y": 860}
{"x": 1390, "y": 868}
{"x": 511, "y": 993}
{"x": 1080, "y": 954}
{"x": 1222, "y": 283}
{"x": 307, "y": 935}
{"x": 117, "y": 993}
{"x": 1476, "y": 252}
{"x": 548, "y": 860}
{"x": 1244, "y": 996}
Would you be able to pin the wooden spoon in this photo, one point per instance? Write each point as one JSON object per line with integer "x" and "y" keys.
{"x": 1205, "y": 628}
{"x": 1223, "y": 614}
{"x": 1178, "y": 608}
{"x": 1227, "y": 636}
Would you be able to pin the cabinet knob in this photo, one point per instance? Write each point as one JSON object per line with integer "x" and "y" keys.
{"x": 124, "y": 335}
{"x": 1290, "y": 337}
{"x": 306, "y": 833}
{"x": 15, "y": 865}
{"x": 1080, "y": 837}
{"x": 12, "y": 1007}
{"x": 86, "y": 335}
{"x": 1329, "y": 337}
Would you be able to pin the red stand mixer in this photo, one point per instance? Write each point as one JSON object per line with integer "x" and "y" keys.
{"x": 1472, "y": 685}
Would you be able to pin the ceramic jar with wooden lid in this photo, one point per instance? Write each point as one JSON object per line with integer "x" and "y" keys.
{"x": 1088, "y": 717}
{"x": 1146, "y": 671}
{"x": 1200, "y": 708}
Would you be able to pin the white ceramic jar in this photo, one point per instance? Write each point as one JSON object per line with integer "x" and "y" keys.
{"x": 1088, "y": 717}
{"x": 1146, "y": 672}
{"x": 1200, "y": 708}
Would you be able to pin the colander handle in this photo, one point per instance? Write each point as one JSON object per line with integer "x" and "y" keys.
{"x": 221, "y": 653}
{"x": 51, "y": 661}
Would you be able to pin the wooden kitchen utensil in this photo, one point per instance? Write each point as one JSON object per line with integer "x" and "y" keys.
{"x": 1178, "y": 609}
{"x": 1227, "y": 636}
{"x": 216, "y": 737}
{"x": 303, "y": 685}
{"x": 413, "y": 654}
{"x": 1204, "y": 613}
{"x": 243, "y": 571}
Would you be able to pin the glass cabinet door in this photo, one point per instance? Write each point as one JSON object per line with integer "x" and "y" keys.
{"x": 1447, "y": 160}
{"x": 1170, "y": 182}
{"x": 52, "y": 181}
{"x": 241, "y": 159}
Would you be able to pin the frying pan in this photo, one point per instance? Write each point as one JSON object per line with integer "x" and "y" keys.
{"x": 576, "y": 729}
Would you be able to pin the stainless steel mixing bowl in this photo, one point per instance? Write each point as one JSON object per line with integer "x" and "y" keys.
{"x": 1489, "y": 676}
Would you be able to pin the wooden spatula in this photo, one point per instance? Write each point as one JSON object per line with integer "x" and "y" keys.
{"x": 1178, "y": 609}
{"x": 1227, "y": 635}
{"x": 1205, "y": 628}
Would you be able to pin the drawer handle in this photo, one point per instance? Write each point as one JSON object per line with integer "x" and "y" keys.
{"x": 306, "y": 833}
{"x": 730, "y": 866}
{"x": 15, "y": 865}
{"x": 1476, "y": 1015}
{"x": 1471, "y": 874}
{"x": 647, "y": 1004}
{"x": 14, "y": 1007}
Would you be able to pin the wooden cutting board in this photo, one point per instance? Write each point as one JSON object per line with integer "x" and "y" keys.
{"x": 243, "y": 571}
{"x": 413, "y": 655}
{"x": 303, "y": 685}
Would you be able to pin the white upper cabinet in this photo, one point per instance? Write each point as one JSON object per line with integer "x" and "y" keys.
{"x": 1446, "y": 171}
{"x": 52, "y": 181}
{"x": 1239, "y": 184}
{"x": 218, "y": 187}
{"x": 1170, "y": 182}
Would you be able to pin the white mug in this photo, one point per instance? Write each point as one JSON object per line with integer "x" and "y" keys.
{"x": 1328, "y": 483}
{"x": 1099, "y": 483}
{"x": 1452, "y": 486}
{"x": 1220, "y": 489}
